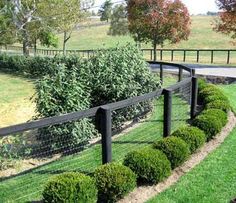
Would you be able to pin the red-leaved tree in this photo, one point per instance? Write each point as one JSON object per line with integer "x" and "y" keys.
{"x": 227, "y": 20}
{"x": 158, "y": 21}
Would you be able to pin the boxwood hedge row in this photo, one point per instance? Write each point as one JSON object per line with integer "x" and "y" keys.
{"x": 148, "y": 165}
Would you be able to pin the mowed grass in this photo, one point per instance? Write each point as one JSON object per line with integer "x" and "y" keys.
{"x": 15, "y": 104}
{"x": 28, "y": 186}
{"x": 214, "y": 179}
{"x": 230, "y": 91}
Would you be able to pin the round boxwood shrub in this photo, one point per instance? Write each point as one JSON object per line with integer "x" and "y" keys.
{"x": 219, "y": 104}
{"x": 150, "y": 165}
{"x": 176, "y": 150}
{"x": 215, "y": 97}
{"x": 202, "y": 84}
{"x": 209, "y": 90}
{"x": 193, "y": 136}
{"x": 218, "y": 114}
{"x": 70, "y": 187}
{"x": 114, "y": 181}
{"x": 209, "y": 124}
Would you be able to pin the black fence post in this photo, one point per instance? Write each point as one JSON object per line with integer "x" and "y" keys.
{"x": 228, "y": 57}
{"x": 180, "y": 74}
{"x": 212, "y": 56}
{"x": 198, "y": 56}
{"x": 167, "y": 112}
{"x": 172, "y": 55}
{"x": 194, "y": 97}
{"x": 184, "y": 59}
{"x": 104, "y": 122}
{"x": 161, "y": 54}
{"x": 161, "y": 73}
{"x": 193, "y": 72}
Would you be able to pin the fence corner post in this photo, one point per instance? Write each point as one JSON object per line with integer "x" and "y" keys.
{"x": 104, "y": 123}
{"x": 167, "y": 112}
{"x": 194, "y": 97}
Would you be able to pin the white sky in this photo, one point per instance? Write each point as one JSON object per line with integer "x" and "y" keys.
{"x": 194, "y": 6}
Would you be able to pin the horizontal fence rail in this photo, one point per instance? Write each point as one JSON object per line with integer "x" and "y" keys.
{"x": 210, "y": 56}
{"x": 224, "y": 56}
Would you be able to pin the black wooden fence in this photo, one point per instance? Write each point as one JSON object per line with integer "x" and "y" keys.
{"x": 196, "y": 55}
{"x": 103, "y": 113}
{"x": 217, "y": 56}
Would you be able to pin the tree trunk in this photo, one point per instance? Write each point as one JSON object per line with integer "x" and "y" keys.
{"x": 35, "y": 47}
{"x": 154, "y": 51}
{"x": 64, "y": 43}
{"x": 26, "y": 43}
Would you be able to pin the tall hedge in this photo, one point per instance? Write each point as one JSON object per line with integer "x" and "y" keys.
{"x": 117, "y": 74}
{"x": 72, "y": 84}
{"x": 63, "y": 92}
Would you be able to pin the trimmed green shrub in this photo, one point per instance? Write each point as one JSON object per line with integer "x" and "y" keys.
{"x": 176, "y": 150}
{"x": 219, "y": 104}
{"x": 114, "y": 181}
{"x": 218, "y": 114}
{"x": 209, "y": 124}
{"x": 70, "y": 187}
{"x": 40, "y": 66}
{"x": 193, "y": 136}
{"x": 150, "y": 165}
{"x": 211, "y": 93}
{"x": 215, "y": 97}
{"x": 201, "y": 84}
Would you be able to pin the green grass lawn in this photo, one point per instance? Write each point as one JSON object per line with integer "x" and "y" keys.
{"x": 15, "y": 104}
{"x": 230, "y": 91}
{"x": 214, "y": 179}
{"x": 28, "y": 186}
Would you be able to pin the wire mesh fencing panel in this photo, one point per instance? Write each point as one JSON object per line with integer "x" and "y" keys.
{"x": 181, "y": 100}
{"x": 169, "y": 75}
{"x": 141, "y": 129}
{"x": 48, "y": 151}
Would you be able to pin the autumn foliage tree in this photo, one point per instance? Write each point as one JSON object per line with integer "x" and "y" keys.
{"x": 227, "y": 20}
{"x": 157, "y": 21}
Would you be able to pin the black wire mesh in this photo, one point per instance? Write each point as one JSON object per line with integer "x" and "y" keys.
{"x": 181, "y": 101}
{"x": 141, "y": 130}
{"x": 39, "y": 159}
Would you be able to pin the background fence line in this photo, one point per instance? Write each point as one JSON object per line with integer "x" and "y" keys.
{"x": 223, "y": 56}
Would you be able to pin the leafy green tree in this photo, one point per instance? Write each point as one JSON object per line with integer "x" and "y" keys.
{"x": 66, "y": 15}
{"x": 105, "y": 11}
{"x": 119, "y": 22}
{"x": 42, "y": 34}
{"x": 7, "y": 30}
{"x": 158, "y": 21}
{"x": 226, "y": 23}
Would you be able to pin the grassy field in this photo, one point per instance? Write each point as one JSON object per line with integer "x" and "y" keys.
{"x": 202, "y": 36}
{"x": 214, "y": 179}
{"x": 15, "y": 104}
{"x": 28, "y": 186}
